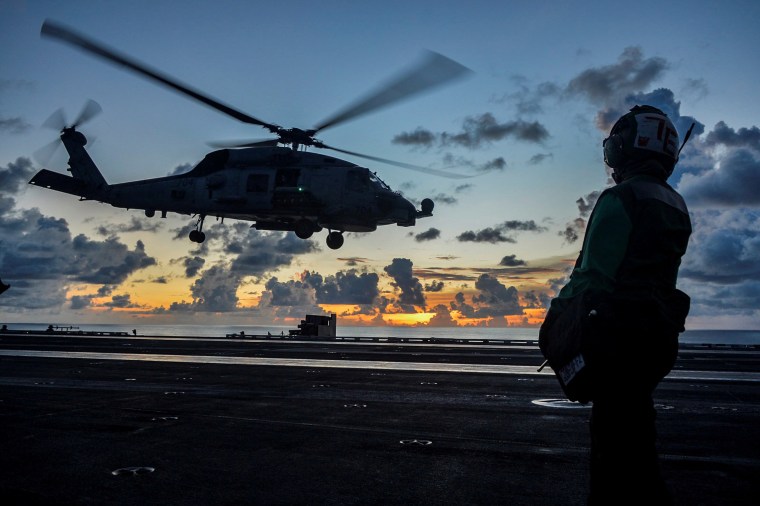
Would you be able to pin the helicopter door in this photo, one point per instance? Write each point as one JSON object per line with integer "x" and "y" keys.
{"x": 257, "y": 190}
{"x": 286, "y": 191}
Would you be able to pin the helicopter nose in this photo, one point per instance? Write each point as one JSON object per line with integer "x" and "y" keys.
{"x": 406, "y": 214}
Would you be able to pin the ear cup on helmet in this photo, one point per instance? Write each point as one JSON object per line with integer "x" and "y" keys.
{"x": 614, "y": 155}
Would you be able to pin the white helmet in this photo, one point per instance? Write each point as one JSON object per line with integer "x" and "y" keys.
{"x": 644, "y": 133}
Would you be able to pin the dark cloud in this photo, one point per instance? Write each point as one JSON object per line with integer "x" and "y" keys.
{"x": 573, "y": 230}
{"x": 261, "y": 252}
{"x": 216, "y": 290}
{"x": 476, "y": 131}
{"x": 630, "y": 74}
{"x": 78, "y": 302}
{"x": 345, "y": 287}
{"x": 724, "y": 247}
{"x": 412, "y": 293}
{"x": 497, "y": 164}
{"x": 724, "y": 135}
{"x": 14, "y": 125}
{"x": 109, "y": 261}
{"x": 193, "y": 265}
{"x": 511, "y": 261}
{"x": 491, "y": 235}
{"x": 419, "y": 137}
{"x": 135, "y": 225}
{"x": 435, "y": 286}
{"x": 428, "y": 235}
{"x": 539, "y": 158}
{"x": 735, "y": 183}
{"x": 15, "y": 176}
{"x": 289, "y": 293}
{"x": 499, "y": 233}
{"x": 121, "y": 301}
{"x": 354, "y": 261}
{"x": 493, "y": 300}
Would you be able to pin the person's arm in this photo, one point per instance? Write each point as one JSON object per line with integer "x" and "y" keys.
{"x": 604, "y": 248}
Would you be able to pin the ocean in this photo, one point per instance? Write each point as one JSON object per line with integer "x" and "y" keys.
{"x": 733, "y": 337}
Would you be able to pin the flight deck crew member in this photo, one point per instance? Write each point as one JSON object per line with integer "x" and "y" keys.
{"x": 634, "y": 241}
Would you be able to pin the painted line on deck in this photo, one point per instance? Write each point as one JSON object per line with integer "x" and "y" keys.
{"x": 356, "y": 364}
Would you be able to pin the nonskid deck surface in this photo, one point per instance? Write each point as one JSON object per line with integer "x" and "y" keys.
{"x": 127, "y": 420}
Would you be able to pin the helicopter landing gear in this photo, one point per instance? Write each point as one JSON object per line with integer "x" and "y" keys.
{"x": 197, "y": 235}
{"x": 334, "y": 240}
{"x": 304, "y": 229}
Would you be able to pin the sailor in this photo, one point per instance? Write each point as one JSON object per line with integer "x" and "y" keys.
{"x": 632, "y": 249}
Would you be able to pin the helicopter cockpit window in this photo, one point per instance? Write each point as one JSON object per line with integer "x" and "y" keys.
{"x": 257, "y": 183}
{"x": 356, "y": 180}
{"x": 376, "y": 181}
{"x": 212, "y": 162}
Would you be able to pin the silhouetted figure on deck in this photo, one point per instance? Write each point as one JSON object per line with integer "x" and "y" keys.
{"x": 628, "y": 264}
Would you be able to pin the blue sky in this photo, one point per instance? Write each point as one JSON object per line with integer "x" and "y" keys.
{"x": 548, "y": 78}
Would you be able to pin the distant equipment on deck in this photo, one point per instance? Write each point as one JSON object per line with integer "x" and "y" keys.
{"x": 317, "y": 326}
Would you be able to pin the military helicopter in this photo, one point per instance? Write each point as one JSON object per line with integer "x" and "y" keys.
{"x": 276, "y": 187}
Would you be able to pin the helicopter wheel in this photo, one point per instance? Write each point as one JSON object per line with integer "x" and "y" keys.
{"x": 303, "y": 229}
{"x": 334, "y": 240}
{"x": 197, "y": 236}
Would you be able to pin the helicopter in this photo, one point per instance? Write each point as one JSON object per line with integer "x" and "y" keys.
{"x": 275, "y": 183}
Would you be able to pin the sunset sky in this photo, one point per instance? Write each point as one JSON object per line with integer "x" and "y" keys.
{"x": 548, "y": 80}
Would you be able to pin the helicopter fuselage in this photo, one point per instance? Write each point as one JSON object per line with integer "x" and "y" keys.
{"x": 276, "y": 188}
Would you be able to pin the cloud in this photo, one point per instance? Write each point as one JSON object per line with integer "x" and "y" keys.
{"x": 412, "y": 293}
{"x": 435, "y": 286}
{"x": 193, "y": 265}
{"x": 345, "y": 287}
{"x": 14, "y": 125}
{"x": 476, "y": 131}
{"x": 733, "y": 183}
{"x": 428, "y": 235}
{"x": 511, "y": 261}
{"x": 630, "y": 74}
{"x": 216, "y": 290}
{"x": 135, "y": 225}
{"x": 724, "y": 247}
{"x": 40, "y": 258}
{"x": 539, "y": 158}
{"x": 499, "y": 233}
{"x": 492, "y": 301}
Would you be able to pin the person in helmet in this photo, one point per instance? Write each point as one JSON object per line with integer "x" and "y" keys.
{"x": 632, "y": 248}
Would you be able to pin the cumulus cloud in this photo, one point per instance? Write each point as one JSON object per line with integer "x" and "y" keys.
{"x": 412, "y": 292}
{"x": 40, "y": 258}
{"x": 344, "y": 287}
{"x": 493, "y": 300}
{"x": 630, "y": 74}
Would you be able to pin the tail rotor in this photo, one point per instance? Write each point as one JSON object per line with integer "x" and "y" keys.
{"x": 57, "y": 121}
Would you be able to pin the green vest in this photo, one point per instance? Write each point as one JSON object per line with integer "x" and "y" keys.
{"x": 634, "y": 241}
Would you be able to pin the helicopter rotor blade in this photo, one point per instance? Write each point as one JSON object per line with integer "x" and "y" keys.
{"x": 56, "y": 121}
{"x": 435, "y": 70}
{"x": 244, "y": 144}
{"x": 89, "y": 111}
{"x": 62, "y": 33}
{"x": 426, "y": 170}
{"x": 44, "y": 154}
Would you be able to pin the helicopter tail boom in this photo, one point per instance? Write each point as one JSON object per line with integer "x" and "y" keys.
{"x": 85, "y": 181}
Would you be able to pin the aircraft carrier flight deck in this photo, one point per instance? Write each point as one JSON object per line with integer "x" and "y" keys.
{"x": 121, "y": 420}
